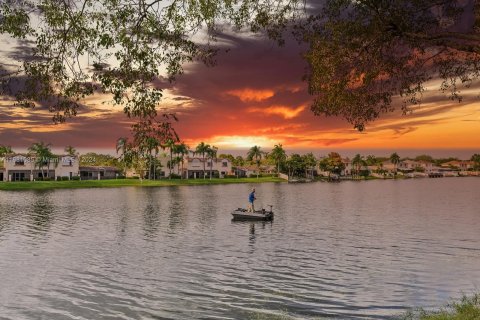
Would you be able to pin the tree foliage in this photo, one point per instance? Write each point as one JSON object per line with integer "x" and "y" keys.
{"x": 476, "y": 161}
{"x": 332, "y": 163}
{"x": 255, "y": 154}
{"x": 364, "y": 53}
{"x": 4, "y": 150}
{"x": 149, "y": 135}
{"x": 98, "y": 159}
{"x": 43, "y": 156}
{"x": 121, "y": 47}
{"x": 278, "y": 155}
{"x": 361, "y": 53}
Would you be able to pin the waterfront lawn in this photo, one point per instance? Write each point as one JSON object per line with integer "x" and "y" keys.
{"x": 468, "y": 308}
{"x": 38, "y": 185}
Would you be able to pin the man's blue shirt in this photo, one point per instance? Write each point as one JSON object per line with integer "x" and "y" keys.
{"x": 251, "y": 197}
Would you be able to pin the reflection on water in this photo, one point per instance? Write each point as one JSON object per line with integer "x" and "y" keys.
{"x": 353, "y": 250}
{"x": 41, "y": 213}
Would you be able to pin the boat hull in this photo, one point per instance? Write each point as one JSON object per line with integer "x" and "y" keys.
{"x": 255, "y": 216}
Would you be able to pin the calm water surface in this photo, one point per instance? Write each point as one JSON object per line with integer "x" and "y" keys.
{"x": 350, "y": 250}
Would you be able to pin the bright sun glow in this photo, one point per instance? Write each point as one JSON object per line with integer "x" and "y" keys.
{"x": 242, "y": 142}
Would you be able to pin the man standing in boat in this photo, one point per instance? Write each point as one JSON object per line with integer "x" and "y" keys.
{"x": 251, "y": 199}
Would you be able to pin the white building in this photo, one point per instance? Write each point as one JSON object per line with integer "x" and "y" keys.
{"x": 411, "y": 165}
{"x": 190, "y": 168}
{"x": 193, "y": 168}
{"x": 347, "y": 171}
{"x": 25, "y": 167}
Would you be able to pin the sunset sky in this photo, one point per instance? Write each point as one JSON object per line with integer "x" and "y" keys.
{"x": 255, "y": 95}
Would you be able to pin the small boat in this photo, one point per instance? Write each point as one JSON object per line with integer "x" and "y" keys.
{"x": 258, "y": 215}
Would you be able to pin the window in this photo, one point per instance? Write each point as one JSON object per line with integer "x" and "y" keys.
{"x": 19, "y": 161}
{"x": 18, "y": 176}
{"x": 67, "y": 161}
{"x": 225, "y": 164}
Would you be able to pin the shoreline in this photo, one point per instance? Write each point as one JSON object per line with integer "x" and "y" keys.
{"x": 116, "y": 183}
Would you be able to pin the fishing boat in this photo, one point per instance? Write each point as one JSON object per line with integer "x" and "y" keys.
{"x": 258, "y": 215}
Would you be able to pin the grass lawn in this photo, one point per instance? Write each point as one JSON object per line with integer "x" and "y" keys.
{"x": 39, "y": 185}
{"x": 468, "y": 308}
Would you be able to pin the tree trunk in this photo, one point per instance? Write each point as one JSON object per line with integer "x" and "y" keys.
{"x": 170, "y": 166}
{"x": 155, "y": 166}
{"x": 149, "y": 163}
{"x": 181, "y": 173}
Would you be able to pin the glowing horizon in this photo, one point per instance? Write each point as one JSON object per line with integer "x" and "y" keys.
{"x": 245, "y": 101}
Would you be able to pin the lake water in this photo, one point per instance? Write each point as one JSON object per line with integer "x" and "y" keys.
{"x": 350, "y": 250}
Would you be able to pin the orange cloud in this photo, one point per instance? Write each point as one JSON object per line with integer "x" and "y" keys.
{"x": 237, "y": 141}
{"x": 285, "y": 112}
{"x": 247, "y": 94}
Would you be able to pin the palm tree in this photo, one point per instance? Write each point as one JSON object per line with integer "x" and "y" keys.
{"x": 278, "y": 155}
{"x": 71, "y": 151}
{"x": 170, "y": 144}
{"x": 4, "y": 150}
{"x": 371, "y": 160}
{"x": 357, "y": 162}
{"x": 202, "y": 149}
{"x": 43, "y": 155}
{"x": 310, "y": 162}
{"x": 255, "y": 153}
{"x": 152, "y": 144}
{"x": 212, "y": 154}
{"x": 395, "y": 159}
{"x": 181, "y": 150}
{"x": 476, "y": 161}
{"x": 122, "y": 146}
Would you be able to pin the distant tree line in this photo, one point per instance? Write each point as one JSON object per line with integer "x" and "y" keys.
{"x": 144, "y": 158}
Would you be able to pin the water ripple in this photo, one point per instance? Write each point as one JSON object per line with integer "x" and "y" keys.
{"x": 334, "y": 250}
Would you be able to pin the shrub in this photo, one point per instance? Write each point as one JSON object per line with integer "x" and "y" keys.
{"x": 229, "y": 176}
{"x": 47, "y": 179}
{"x": 364, "y": 173}
{"x": 39, "y": 179}
{"x": 466, "y": 308}
{"x": 135, "y": 177}
{"x": 175, "y": 176}
{"x": 75, "y": 178}
{"x": 65, "y": 179}
{"x": 120, "y": 177}
{"x": 59, "y": 178}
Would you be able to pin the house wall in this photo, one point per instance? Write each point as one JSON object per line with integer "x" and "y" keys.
{"x": 194, "y": 167}
{"x": 67, "y": 167}
{"x": 22, "y": 167}
{"x": 92, "y": 174}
